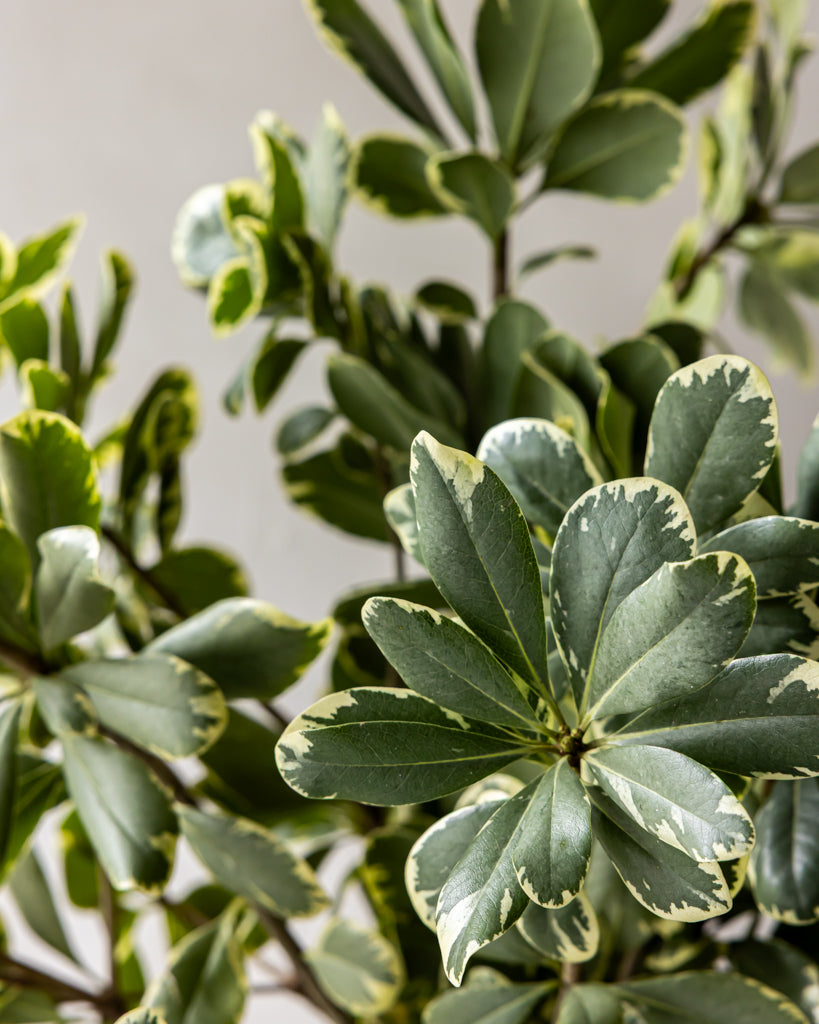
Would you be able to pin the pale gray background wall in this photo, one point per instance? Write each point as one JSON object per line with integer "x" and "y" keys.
{"x": 121, "y": 110}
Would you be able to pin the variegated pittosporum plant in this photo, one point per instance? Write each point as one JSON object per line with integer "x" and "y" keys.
{"x": 565, "y": 99}
{"x": 607, "y": 665}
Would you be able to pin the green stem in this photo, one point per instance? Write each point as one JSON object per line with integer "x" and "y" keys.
{"x": 753, "y": 213}
{"x": 500, "y": 266}
{"x": 570, "y": 976}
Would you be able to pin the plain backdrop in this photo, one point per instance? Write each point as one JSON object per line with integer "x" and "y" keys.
{"x": 122, "y": 110}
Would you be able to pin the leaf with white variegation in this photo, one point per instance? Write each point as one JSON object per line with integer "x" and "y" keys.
{"x": 570, "y": 934}
{"x": 674, "y": 798}
{"x": 664, "y": 880}
{"x": 399, "y": 511}
{"x": 713, "y": 436}
{"x": 476, "y": 547}
{"x": 487, "y": 998}
{"x": 156, "y": 700}
{"x": 557, "y": 55}
{"x": 784, "y": 865}
{"x": 611, "y": 540}
{"x": 482, "y": 899}
{"x": 142, "y": 1015}
{"x": 672, "y": 635}
{"x": 253, "y": 862}
{"x": 438, "y": 850}
{"x": 388, "y": 746}
{"x": 71, "y": 597}
{"x": 784, "y": 624}
{"x": 781, "y": 551}
{"x": 357, "y": 967}
{"x": 441, "y": 660}
{"x": 553, "y": 845}
{"x": 543, "y": 467}
{"x": 759, "y": 717}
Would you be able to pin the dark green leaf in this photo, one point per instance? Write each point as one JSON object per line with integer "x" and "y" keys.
{"x": 702, "y": 57}
{"x": 441, "y": 660}
{"x": 390, "y": 176}
{"x": 781, "y": 967}
{"x": 590, "y": 1003}
{"x": 724, "y": 409}
{"x": 38, "y": 786}
{"x": 782, "y": 552}
{"x": 47, "y": 477}
{"x": 513, "y": 328}
{"x": 249, "y": 648}
{"x": 757, "y": 718}
{"x": 387, "y": 746}
{"x": 275, "y": 163}
{"x": 15, "y": 590}
{"x": 486, "y": 1000}
{"x": 196, "y": 578}
{"x": 570, "y": 934}
{"x": 542, "y": 394}
{"x": 351, "y": 33}
{"x": 800, "y": 181}
{"x": 784, "y": 624}
{"x": 271, "y": 366}
{"x": 474, "y": 186}
{"x": 302, "y": 427}
{"x": 35, "y": 902}
{"x": 807, "y": 477}
{"x": 9, "y": 739}
{"x": 627, "y": 144}
{"x": 557, "y": 56}
{"x": 622, "y": 24}
{"x": 125, "y": 811}
{"x": 638, "y": 368}
{"x": 447, "y": 301}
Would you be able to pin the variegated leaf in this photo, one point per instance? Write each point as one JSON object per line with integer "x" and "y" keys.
{"x": 570, "y": 934}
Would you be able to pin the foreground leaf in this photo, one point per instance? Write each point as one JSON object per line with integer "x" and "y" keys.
{"x": 134, "y": 835}
{"x": 570, "y": 934}
{"x": 156, "y": 700}
{"x": 781, "y": 551}
{"x": 476, "y": 547}
{"x": 387, "y": 746}
{"x": 784, "y": 864}
{"x": 249, "y": 648}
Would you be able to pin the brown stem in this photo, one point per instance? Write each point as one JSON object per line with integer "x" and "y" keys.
{"x": 17, "y": 973}
{"x": 280, "y": 720}
{"x": 146, "y": 577}
{"x": 753, "y": 213}
{"x": 500, "y": 266}
{"x": 306, "y": 983}
{"x": 23, "y": 663}
{"x": 110, "y": 913}
{"x": 570, "y": 975}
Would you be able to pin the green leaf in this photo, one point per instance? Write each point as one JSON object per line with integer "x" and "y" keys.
{"x": 674, "y": 798}
{"x": 548, "y": 257}
{"x": 481, "y": 899}
{"x": 325, "y": 174}
{"x": 702, "y": 57}
{"x": 484, "y": 1000}
{"x": 357, "y": 967}
{"x": 441, "y": 660}
{"x": 37, "y": 787}
{"x": 15, "y": 590}
{"x": 426, "y": 22}
{"x": 782, "y": 552}
{"x": 196, "y": 578}
{"x": 41, "y": 258}
{"x": 784, "y": 624}
{"x": 542, "y": 466}
{"x": 474, "y": 186}
{"x": 329, "y": 485}
{"x": 82, "y": 876}
{"x": 24, "y": 329}
{"x": 757, "y": 718}
{"x": 203, "y": 981}
{"x": 724, "y": 408}
{"x": 390, "y": 176}
{"x": 65, "y": 709}
{"x": 614, "y": 424}
{"x": 626, "y": 144}
{"x": 117, "y": 284}
{"x": 800, "y": 180}
{"x": 275, "y": 164}
{"x": 807, "y": 477}
{"x": 513, "y": 328}
{"x": 638, "y": 368}
{"x": 784, "y": 864}
{"x": 141, "y": 1015}
{"x": 9, "y": 738}
{"x": 19, "y": 1006}
{"x": 622, "y": 24}
{"x": 781, "y": 967}
{"x": 791, "y": 255}
{"x": 447, "y": 301}
{"x": 552, "y": 849}
{"x": 71, "y": 597}
{"x": 271, "y": 366}
{"x": 372, "y": 404}
{"x": 708, "y": 997}
{"x": 351, "y": 33}
{"x": 765, "y": 308}
{"x": 476, "y": 547}
{"x": 42, "y": 386}
{"x": 35, "y": 902}
{"x": 570, "y": 934}
{"x": 155, "y": 700}
{"x": 542, "y": 394}
{"x": 557, "y": 56}
{"x": 437, "y": 851}
{"x": 236, "y": 291}
{"x": 664, "y": 880}
{"x": 302, "y": 427}
{"x": 254, "y": 863}
{"x": 385, "y": 746}
{"x": 695, "y": 613}
{"x": 249, "y": 648}
{"x": 631, "y": 529}
{"x": 125, "y": 811}
{"x": 590, "y": 1003}
{"x": 47, "y": 477}
{"x": 201, "y": 243}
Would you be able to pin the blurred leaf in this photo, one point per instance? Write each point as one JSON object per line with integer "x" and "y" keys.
{"x": 117, "y": 284}
{"x": 807, "y": 477}
{"x": 15, "y": 591}
{"x": 622, "y": 24}
{"x": 24, "y": 329}
{"x": 548, "y": 257}
{"x": 447, "y": 301}
{"x": 390, "y": 176}
{"x": 302, "y": 427}
{"x": 43, "y": 386}
{"x": 271, "y": 365}
{"x": 9, "y": 739}
{"x": 474, "y": 186}
{"x": 326, "y": 176}
{"x": 765, "y": 308}
{"x": 201, "y": 242}
{"x": 82, "y": 875}
{"x": 351, "y": 33}
{"x": 484, "y": 1000}
{"x": 800, "y": 180}
{"x": 35, "y": 902}
{"x": 41, "y": 258}
{"x": 279, "y": 175}
{"x": 38, "y": 786}
{"x": 513, "y": 328}
{"x": 198, "y": 577}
